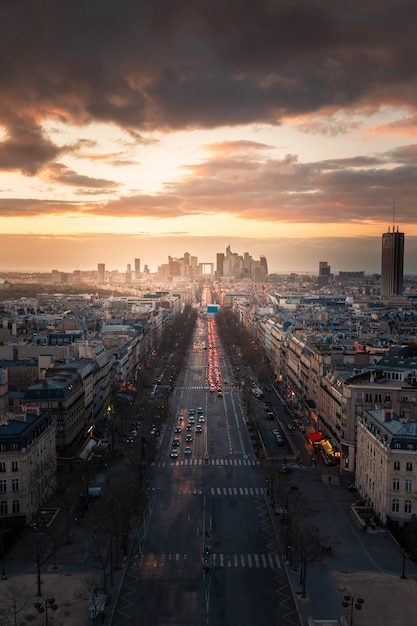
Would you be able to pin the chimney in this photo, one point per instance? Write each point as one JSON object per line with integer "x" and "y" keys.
{"x": 387, "y": 415}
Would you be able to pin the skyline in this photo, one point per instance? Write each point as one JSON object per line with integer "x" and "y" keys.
{"x": 144, "y": 129}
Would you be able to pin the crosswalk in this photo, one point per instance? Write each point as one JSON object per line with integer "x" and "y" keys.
{"x": 237, "y": 491}
{"x": 221, "y": 491}
{"x": 203, "y": 461}
{"x": 216, "y": 560}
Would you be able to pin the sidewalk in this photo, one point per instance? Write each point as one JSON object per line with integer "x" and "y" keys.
{"x": 64, "y": 577}
{"x": 369, "y": 564}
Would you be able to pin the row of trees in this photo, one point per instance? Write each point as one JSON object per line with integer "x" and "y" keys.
{"x": 304, "y": 543}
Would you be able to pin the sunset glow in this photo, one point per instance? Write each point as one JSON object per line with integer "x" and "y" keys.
{"x": 127, "y": 131}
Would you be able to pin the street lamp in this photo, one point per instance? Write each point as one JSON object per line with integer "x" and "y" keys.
{"x": 352, "y": 600}
{"x": 3, "y": 571}
{"x": 403, "y": 576}
{"x": 49, "y": 603}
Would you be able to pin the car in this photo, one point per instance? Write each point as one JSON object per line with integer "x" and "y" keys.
{"x": 175, "y": 441}
{"x": 199, "y": 410}
{"x": 134, "y": 433}
{"x": 276, "y": 433}
{"x": 198, "y": 429}
{"x": 201, "y": 419}
{"x": 180, "y": 417}
{"x": 130, "y": 440}
{"x": 191, "y": 412}
{"x": 187, "y": 450}
{"x": 174, "y": 453}
{"x": 191, "y": 420}
{"x": 177, "y": 429}
{"x": 189, "y": 438}
{"x": 284, "y": 469}
{"x": 220, "y": 394}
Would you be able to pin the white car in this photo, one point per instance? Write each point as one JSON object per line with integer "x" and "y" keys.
{"x": 201, "y": 419}
{"x": 187, "y": 450}
{"x": 174, "y": 453}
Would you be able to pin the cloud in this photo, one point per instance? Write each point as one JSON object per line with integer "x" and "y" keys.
{"x": 59, "y": 173}
{"x": 249, "y": 181}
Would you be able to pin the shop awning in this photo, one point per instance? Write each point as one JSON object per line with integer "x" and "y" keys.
{"x": 313, "y": 437}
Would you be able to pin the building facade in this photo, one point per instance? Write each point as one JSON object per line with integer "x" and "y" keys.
{"x": 392, "y": 264}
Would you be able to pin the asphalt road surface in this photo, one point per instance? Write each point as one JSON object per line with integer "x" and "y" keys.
{"x": 207, "y": 552}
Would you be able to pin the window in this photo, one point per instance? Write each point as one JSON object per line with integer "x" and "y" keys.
{"x": 3, "y": 486}
{"x": 378, "y": 397}
{"x": 368, "y": 397}
{"x": 387, "y": 398}
{"x": 396, "y": 465}
{"x": 2, "y": 466}
{"x": 15, "y": 484}
{"x": 14, "y": 466}
{"x": 396, "y": 484}
{"x": 409, "y": 466}
{"x": 408, "y": 484}
{"x": 395, "y": 507}
{"x": 407, "y": 506}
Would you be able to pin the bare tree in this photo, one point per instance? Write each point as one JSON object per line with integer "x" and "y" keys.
{"x": 14, "y": 599}
{"x": 312, "y": 547}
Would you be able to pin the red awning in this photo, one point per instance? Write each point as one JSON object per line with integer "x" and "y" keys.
{"x": 315, "y": 437}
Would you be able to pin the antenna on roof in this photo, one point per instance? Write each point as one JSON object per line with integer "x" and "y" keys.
{"x": 393, "y": 217}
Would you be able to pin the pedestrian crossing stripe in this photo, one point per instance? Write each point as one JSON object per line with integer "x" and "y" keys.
{"x": 216, "y": 560}
{"x": 237, "y": 491}
{"x": 194, "y": 461}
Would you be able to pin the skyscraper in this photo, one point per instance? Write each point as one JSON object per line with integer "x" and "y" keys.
{"x": 324, "y": 274}
{"x": 392, "y": 266}
{"x": 101, "y": 272}
{"x": 137, "y": 269}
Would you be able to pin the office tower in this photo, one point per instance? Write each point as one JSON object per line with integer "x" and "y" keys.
{"x": 264, "y": 267}
{"x": 392, "y": 265}
{"x": 101, "y": 272}
{"x": 324, "y": 273}
{"x": 137, "y": 269}
{"x": 220, "y": 263}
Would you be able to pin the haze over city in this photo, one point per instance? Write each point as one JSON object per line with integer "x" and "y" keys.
{"x": 147, "y": 129}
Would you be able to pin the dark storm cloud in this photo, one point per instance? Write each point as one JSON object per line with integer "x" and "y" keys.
{"x": 177, "y": 64}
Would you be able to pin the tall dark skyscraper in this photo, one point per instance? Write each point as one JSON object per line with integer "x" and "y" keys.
{"x": 392, "y": 266}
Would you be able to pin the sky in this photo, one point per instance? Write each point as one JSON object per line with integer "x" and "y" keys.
{"x": 147, "y": 128}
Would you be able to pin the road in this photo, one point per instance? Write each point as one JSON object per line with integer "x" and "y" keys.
{"x": 208, "y": 552}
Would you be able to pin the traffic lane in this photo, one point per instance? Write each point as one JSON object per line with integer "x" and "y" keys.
{"x": 244, "y": 568}
{"x": 250, "y": 596}
{"x": 170, "y": 592}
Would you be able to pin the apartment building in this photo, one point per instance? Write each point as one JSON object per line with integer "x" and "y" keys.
{"x": 27, "y": 464}
{"x": 386, "y": 468}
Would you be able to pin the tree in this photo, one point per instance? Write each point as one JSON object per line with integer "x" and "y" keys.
{"x": 14, "y": 599}
{"x": 312, "y": 547}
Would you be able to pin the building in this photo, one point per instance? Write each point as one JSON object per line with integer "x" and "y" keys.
{"x": 137, "y": 269}
{"x": 62, "y": 395}
{"x": 101, "y": 272}
{"x": 386, "y": 470}
{"x": 27, "y": 464}
{"x": 392, "y": 264}
{"x": 324, "y": 274}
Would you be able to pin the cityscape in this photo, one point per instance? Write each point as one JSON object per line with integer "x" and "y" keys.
{"x": 87, "y": 375}
{"x": 208, "y": 313}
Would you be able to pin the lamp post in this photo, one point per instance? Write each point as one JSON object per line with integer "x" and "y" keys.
{"x": 352, "y": 600}
{"x": 49, "y": 604}
{"x": 3, "y": 571}
{"x": 403, "y": 576}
